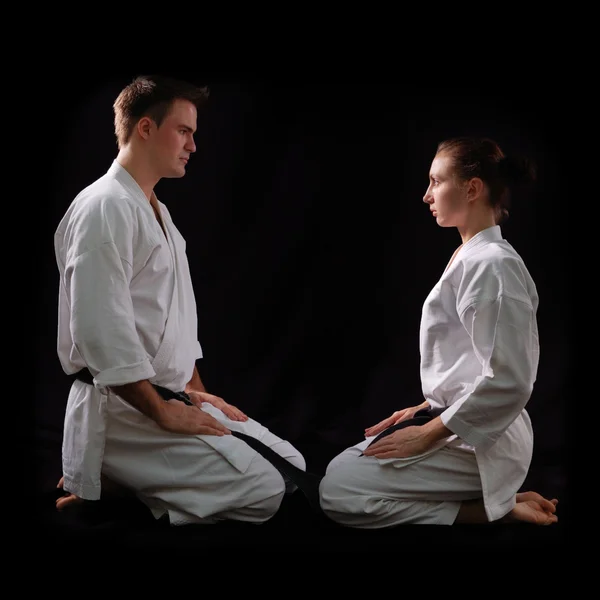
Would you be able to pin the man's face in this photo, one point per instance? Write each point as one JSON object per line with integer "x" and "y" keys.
{"x": 173, "y": 142}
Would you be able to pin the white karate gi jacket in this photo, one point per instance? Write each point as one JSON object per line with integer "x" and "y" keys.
{"x": 479, "y": 358}
{"x": 126, "y": 311}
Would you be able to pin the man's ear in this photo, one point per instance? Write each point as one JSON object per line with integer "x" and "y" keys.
{"x": 144, "y": 127}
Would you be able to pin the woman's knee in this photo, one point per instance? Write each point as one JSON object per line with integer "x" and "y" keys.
{"x": 339, "y": 491}
{"x": 350, "y": 455}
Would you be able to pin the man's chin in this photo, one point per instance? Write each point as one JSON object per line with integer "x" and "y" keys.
{"x": 175, "y": 174}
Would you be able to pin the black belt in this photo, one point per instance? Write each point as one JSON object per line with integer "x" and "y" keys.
{"x": 307, "y": 482}
{"x": 166, "y": 394}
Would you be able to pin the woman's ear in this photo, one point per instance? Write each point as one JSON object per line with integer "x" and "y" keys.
{"x": 475, "y": 189}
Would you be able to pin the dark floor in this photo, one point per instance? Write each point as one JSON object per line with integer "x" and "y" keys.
{"x": 129, "y": 529}
{"x": 127, "y": 526}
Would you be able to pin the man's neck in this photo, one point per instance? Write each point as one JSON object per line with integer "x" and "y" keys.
{"x": 139, "y": 170}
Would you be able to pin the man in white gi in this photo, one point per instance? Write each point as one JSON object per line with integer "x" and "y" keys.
{"x": 127, "y": 314}
{"x": 479, "y": 357}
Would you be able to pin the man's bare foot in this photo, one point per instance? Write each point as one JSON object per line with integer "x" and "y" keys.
{"x": 68, "y": 499}
{"x": 531, "y": 507}
{"x": 109, "y": 488}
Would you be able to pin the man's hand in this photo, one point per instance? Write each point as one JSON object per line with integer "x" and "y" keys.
{"x": 178, "y": 417}
{"x": 403, "y": 443}
{"x": 67, "y": 500}
{"x": 397, "y": 417}
{"x": 235, "y": 414}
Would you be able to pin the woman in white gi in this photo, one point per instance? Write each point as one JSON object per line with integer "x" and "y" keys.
{"x": 127, "y": 313}
{"x": 479, "y": 357}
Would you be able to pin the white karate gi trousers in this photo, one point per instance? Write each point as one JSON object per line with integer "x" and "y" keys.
{"x": 182, "y": 476}
{"x": 358, "y": 491}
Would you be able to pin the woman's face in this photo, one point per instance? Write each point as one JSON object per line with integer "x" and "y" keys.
{"x": 446, "y": 195}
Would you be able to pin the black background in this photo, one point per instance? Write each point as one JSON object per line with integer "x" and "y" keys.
{"x": 311, "y": 249}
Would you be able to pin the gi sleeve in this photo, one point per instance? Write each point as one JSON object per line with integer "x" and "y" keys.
{"x": 98, "y": 272}
{"x": 505, "y": 341}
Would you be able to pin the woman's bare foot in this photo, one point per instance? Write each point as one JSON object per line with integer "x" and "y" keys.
{"x": 531, "y": 507}
{"x": 547, "y": 505}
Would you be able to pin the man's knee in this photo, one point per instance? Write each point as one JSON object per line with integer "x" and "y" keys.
{"x": 269, "y": 488}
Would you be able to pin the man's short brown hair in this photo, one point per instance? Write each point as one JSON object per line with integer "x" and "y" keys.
{"x": 151, "y": 96}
